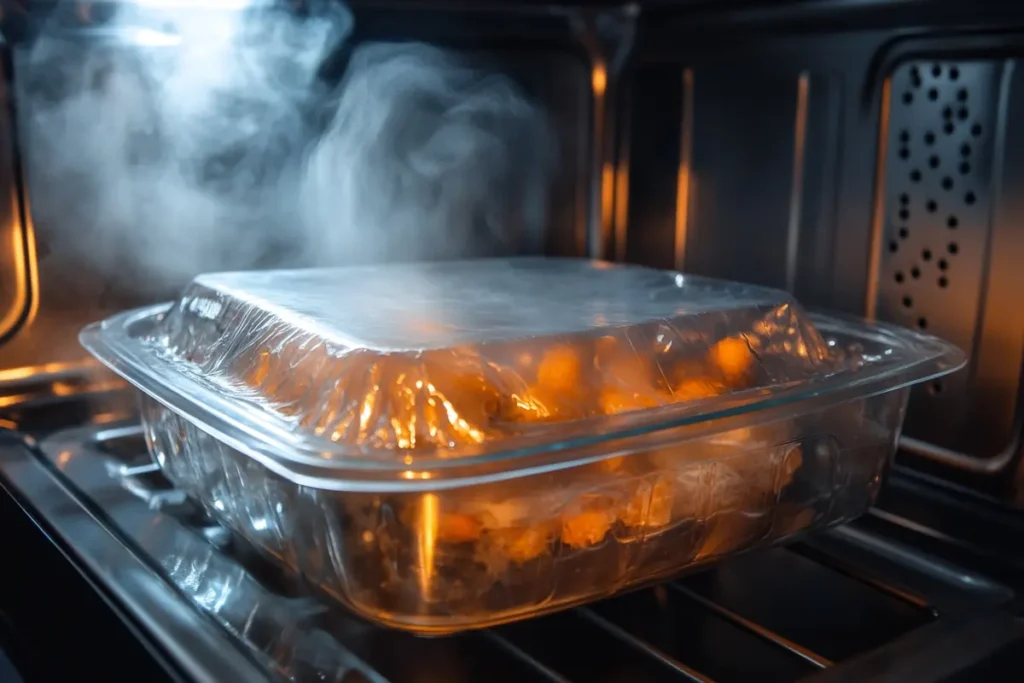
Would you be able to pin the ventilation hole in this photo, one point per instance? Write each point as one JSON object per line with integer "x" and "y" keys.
{"x": 908, "y": 302}
{"x": 931, "y": 206}
{"x": 947, "y": 183}
{"x": 965, "y": 150}
{"x": 952, "y": 221}
{"x": 943, "y": 264}
{"x": 915, "y": 72}
{"x": 915, "y": 176}
{"x": 929, "y": 138}
{"x": 969, "y": 198}
{"x": 898, "y": 277}
{"x": 976, "y": 130}
{"x": 935, "y": 388}
{"x": 922, "y": 323}
{"x": 915, "y": 272}
{"x": 961, "y": 113}
{"x": 933, "y": 162}
{"x": 904, "y": 233}
{"x": 904, "y": 214}
{"x": 965, "y": 168}
{"x": 904, "y": 153}
{"x": 954, "y": 73}
{"x": 908, "y": 97}
{"x": 961, "y": 94}
{"x": 947, "y": 112}
{"x": 926, "y": 254}
{"x": 905, "y": 137}
{"x": 893, "y": 246}
{"x": 904, "y": 198}
{"x": 943, "y": 282}
{"x": 933, "y": 94}
{"x": 948, "y": 128}
{"x": 936, "y": 71}
{"x": 953, "y": 248}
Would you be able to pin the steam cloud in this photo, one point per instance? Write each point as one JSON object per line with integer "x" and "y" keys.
{"x": 152, "y": 161}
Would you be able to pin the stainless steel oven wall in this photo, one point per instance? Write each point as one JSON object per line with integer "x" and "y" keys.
{"x": 550, "y": 53}
{"x": 863, "y": 155}
{"x": 867, "y": 157}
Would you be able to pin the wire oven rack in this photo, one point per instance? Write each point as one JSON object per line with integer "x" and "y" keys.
{"x": 886, "y": 598}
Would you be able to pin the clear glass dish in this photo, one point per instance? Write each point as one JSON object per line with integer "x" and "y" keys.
{"x": 450, "y": 446}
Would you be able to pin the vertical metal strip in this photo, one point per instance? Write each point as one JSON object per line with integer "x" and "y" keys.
{"x": 796, "y": 196}
{"x": 684, "y": 176}
{"x": 878, "y": 218}
{"x": 600, "y": 208}
{"x": 621, "y": 217}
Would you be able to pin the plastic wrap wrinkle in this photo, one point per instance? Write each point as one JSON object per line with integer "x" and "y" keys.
{"x": 433, "y": 357}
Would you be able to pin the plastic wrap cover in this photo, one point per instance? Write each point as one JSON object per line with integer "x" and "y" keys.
{"x": 412, "y": 364}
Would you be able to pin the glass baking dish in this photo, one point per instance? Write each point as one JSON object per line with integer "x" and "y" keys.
{"x": 450, "y": 446}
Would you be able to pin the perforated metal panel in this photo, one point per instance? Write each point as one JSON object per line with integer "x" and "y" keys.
{"x": 937, "y": 221}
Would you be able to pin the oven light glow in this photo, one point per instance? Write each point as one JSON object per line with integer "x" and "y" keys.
{"x": 599, "y": 79}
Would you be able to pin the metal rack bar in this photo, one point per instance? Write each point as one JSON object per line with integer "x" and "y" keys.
{"x": 753, "y": 627}
{"x": 519, "y": 653}
{"x": 930, "y": 653}
{"x": 642, "y": 645}
{"x": 838, "y": 553}
{"x": 851, "y": 571}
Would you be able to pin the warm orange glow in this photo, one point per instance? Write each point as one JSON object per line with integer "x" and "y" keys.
{"x": 733, "y": 358}
{"x": 63, "y": 458}
{"x": 31, "y": 266}
{"x": 26, "y": 277}
{"x": 878, "y": 219}
{"x": 607, "y": 197}
{"x": 429, "y": 516}
{"x": 684, "y": 181}
{"x": 45, "y": 369}
{"x": 621, "y": 208}
{"x": 599, "y": 79}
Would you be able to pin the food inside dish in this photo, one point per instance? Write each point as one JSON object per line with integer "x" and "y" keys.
{"x": 433, "y": 401}
{"x": 705, "y": 497}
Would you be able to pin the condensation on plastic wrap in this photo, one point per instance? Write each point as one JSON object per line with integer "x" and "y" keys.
{"x": 430, "y": 358}
{"x": 452, "y": 446}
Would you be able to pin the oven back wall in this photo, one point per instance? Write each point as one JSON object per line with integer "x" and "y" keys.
{"x": 866, "y": 161}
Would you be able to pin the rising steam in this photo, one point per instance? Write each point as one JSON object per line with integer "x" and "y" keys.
{"x": 208, "y": 142}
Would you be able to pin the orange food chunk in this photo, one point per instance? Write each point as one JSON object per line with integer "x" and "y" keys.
{"x": 500, "y": 547}
{"x": 733, "y": 357}
{"x": 614, "y": 400}
{"x": 789, "y": 466}
{"x": 457, "y": 528}
{"x": 523, "y": 545}
{"x": 659, "y": 513}
{"x": 588, "y": 527}
{"x": 650, "y": 507}
{"x": 694, "y": 388}
{"x": 559, "y": 369}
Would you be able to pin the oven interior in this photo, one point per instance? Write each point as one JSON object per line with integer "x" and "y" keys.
{"x": 863, "y": 156}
